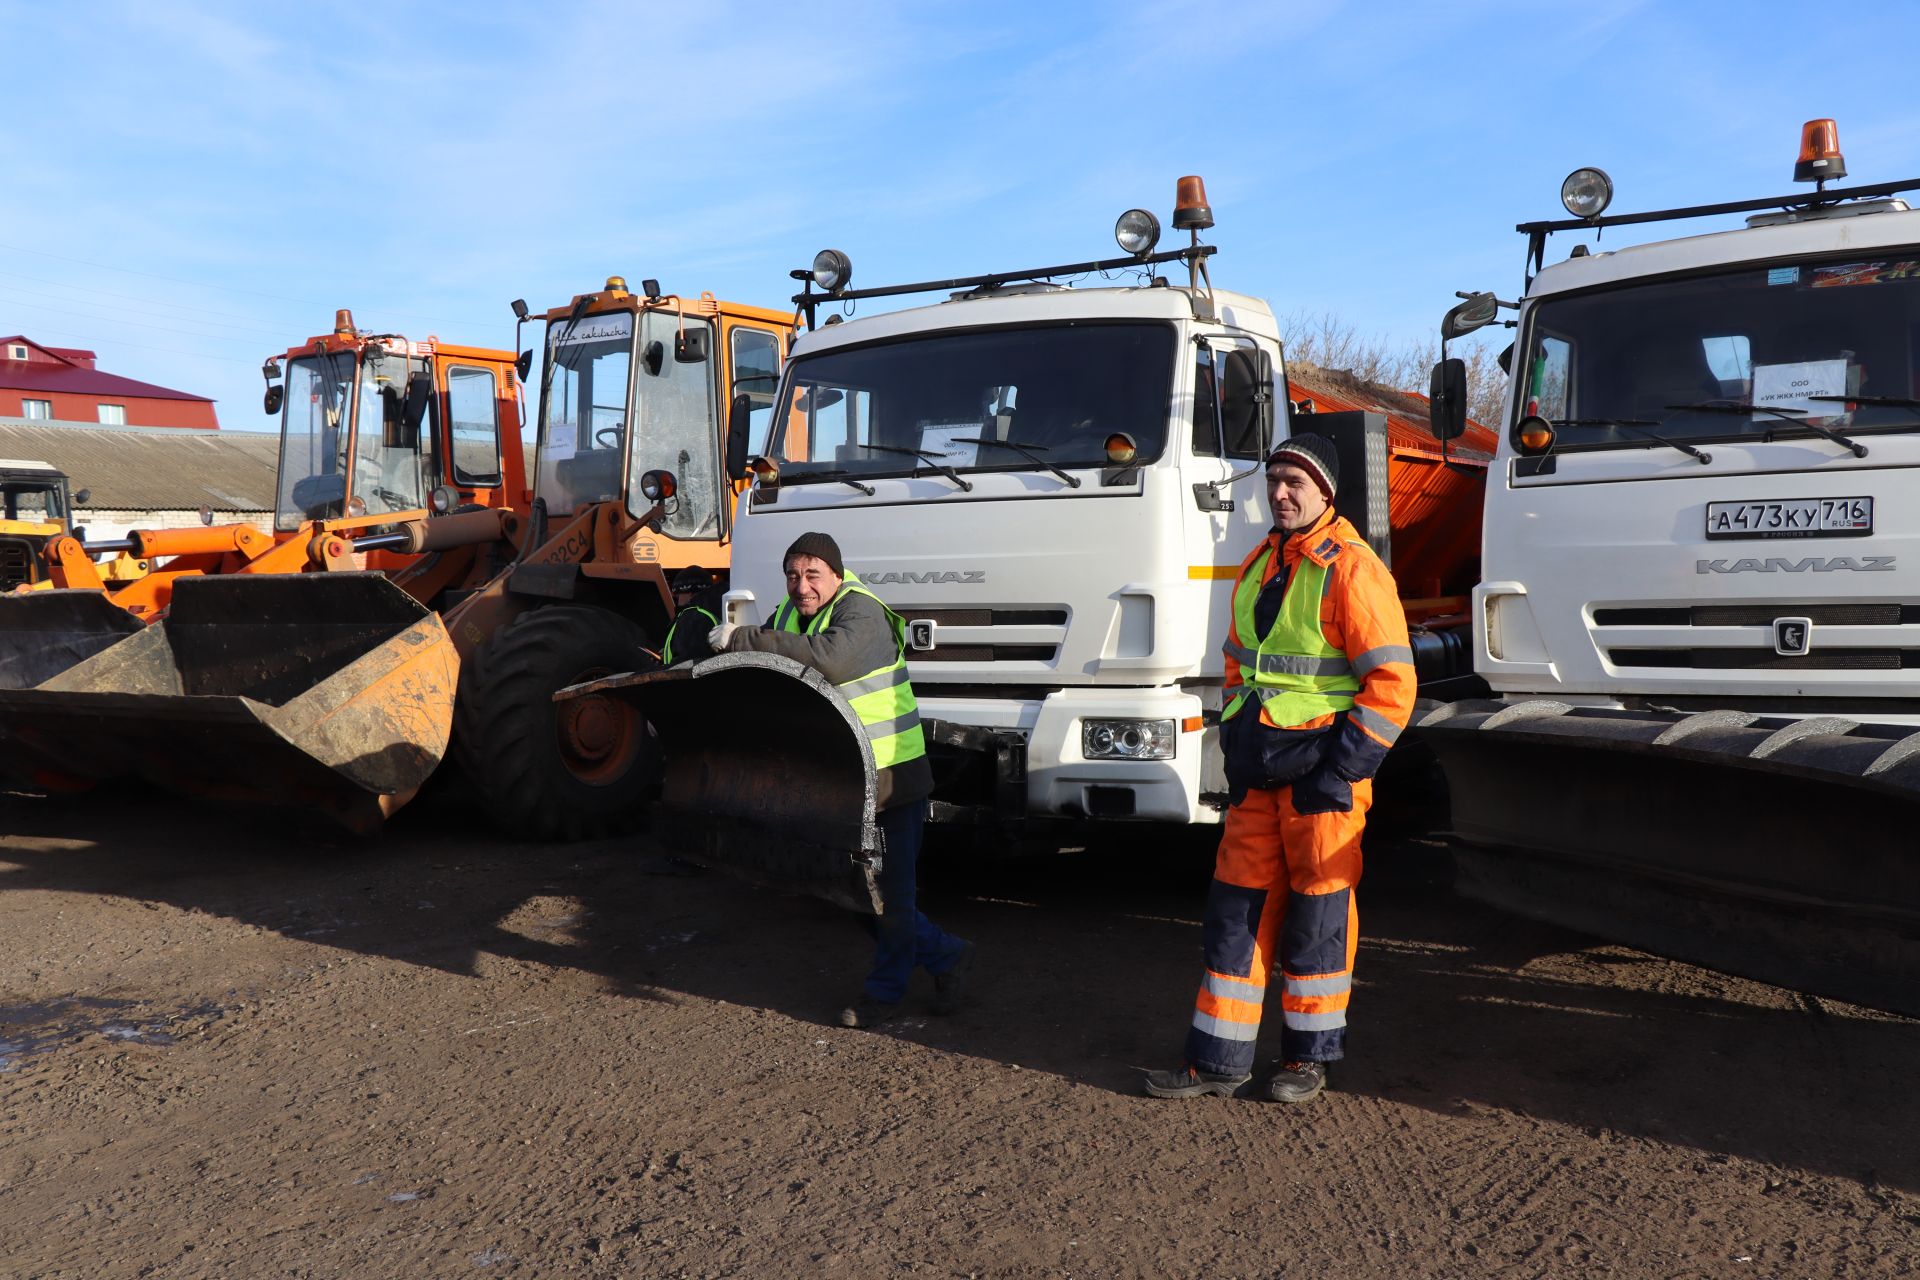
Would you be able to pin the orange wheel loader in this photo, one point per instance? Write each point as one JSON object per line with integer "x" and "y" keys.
{"x": 380, "y": 436}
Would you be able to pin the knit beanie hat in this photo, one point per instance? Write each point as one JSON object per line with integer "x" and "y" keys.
{"x": 690, "y": 579}
{"x": 1313, "y": 454}
{"x": 821, "y": 547}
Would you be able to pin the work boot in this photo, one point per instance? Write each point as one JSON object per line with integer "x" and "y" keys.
{"x": 1190, "y": 1082}
{"x": 868, "y": 1012}
{"x": 1297, "y": 1081}
{"x": 950, "y": 988}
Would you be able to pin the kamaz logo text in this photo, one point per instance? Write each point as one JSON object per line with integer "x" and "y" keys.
{"x": 1811, "y": 564}
{"x": 930, "y": 575}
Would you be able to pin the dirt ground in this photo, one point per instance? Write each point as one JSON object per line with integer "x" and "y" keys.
{"x": 227, "y": 1050}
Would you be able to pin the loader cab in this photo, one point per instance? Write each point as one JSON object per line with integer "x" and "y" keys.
{"x": 636, "y": 383}
{"x": 34, "y": 508}
{"x": 356, "y": 435}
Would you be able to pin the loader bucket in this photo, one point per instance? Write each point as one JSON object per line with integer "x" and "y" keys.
{"x": 326, "y": 691}
{"x": 768, "y": 774}
{"x": 1776, "y": 849}
{"x": 42, "y": 633}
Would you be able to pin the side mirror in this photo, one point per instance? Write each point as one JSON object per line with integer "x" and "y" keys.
{"x": 275, "y": 397}
{"x": 419, "y": 392}
{"x": 1447, "y": 397}
{"x": 739, "y": 421}
{"x": 80, "y": 498}
{"x": 522, "y": 364}
{"x": 1476, "y": 312}
{"x": 1264, "y": 394}
{"x": 693, "y": 346}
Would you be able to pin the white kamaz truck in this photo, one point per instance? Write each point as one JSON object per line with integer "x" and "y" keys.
{"x": 1700, "y": 606}
{"x": 1056, "y": 486}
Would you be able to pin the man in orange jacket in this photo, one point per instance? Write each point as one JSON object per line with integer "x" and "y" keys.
{"x": 1319, "y": 683}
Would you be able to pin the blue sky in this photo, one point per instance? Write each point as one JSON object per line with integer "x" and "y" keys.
{"x": 188, "y": 187}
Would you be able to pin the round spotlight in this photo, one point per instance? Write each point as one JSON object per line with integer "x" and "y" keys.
{"x": 1137, "y": 232}
{"x": 765, "y": 471}
{"x": 832, "y": 269}
{"x": 441, "y": 500}
{"x": 1121, "y": 450}
{"x": 356, "y": 506}
{"x": 1587, "y": 192}
{"x": 658, "y": 486}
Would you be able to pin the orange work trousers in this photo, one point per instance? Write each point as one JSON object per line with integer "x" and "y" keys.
{"x": 1283, "y": 886}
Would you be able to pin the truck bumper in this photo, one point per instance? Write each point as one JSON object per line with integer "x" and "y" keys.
{"x": 1059, "y": 780}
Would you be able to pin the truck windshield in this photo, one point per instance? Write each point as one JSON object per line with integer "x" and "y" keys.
{"x": 314, "y": 439}
{"x": 1751, "y": 353}
{"x": 1054, "y": 393}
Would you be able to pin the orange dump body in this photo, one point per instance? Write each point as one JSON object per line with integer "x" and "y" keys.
{"x": 1434, "y": 508}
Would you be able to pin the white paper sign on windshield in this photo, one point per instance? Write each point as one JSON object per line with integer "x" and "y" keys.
{"x": 617, "y": 324}
{"x": 1792, "y": 386}
{"x": 941, "y": 438}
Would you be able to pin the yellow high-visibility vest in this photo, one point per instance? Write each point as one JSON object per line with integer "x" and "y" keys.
{"x": 1295, "y": 673}
{"x": 882, "y": 698}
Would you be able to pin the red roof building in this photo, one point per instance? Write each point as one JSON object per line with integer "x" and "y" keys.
{"x": 61, "y": 384}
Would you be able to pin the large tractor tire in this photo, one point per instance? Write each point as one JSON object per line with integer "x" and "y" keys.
{"x": 557, "y": 771}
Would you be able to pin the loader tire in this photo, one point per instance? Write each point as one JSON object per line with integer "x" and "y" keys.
{"x": 557, "y": 771}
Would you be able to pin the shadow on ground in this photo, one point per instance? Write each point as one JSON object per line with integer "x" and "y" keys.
{"x": 1088, "y": 962}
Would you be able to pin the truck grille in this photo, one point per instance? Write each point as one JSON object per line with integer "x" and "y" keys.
{"x": 978, "y": 648}
{"x": 16, "y": 562}
{"x": 1767, "y": 659}
{"x": 1898, "y": 651}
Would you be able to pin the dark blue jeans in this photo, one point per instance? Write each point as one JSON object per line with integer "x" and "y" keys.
{"x": 903, "y": 937}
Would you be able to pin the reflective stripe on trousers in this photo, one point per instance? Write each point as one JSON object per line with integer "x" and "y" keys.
{"x": 1283, "y": 888}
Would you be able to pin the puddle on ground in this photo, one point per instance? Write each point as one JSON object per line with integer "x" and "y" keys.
{"x": 36, "y": 1027}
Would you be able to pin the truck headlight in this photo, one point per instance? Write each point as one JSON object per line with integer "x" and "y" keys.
{"x": 1127, "y": 739}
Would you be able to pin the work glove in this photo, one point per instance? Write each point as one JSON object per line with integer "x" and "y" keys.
{"x": 718, "y": 637}
{"x": 1322, "y": 790}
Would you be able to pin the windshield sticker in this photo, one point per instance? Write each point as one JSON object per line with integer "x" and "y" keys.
{"x": 594, "y": 329}
{"x": 1864, "y": 273}
{"x": 1783, "y": 275}
{"x": 939, "y": 437}
{"x": 1789, "y": 387}
{"x": 560, "y": 442}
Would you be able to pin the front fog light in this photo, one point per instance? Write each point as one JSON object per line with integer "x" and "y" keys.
{"x": 1127, "y": 739}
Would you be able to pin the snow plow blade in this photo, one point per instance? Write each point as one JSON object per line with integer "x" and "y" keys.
{"x": 325, "y": 691}
{"x": 1773, "y": 848}
{"x": 42, "y": 633}
{"x": 768, "y": 775}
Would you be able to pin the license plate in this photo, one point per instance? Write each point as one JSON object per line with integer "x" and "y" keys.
{"x": 1791, "y": 518}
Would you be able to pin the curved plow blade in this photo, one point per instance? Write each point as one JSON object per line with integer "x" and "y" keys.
{"x": 768, "y": 774}
{"x": 325, "y": 691}
{"x": 42, "y": 633}
{"x": 1777, "y": 849}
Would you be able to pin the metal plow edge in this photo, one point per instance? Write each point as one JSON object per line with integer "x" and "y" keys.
{"x": 328, "y": 692}
{"x": 43, "y": 633}
{"x": 1777, "y": 849}
{"x": 768, "y": 775}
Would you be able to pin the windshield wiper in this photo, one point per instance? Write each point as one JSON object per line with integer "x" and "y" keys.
{"x": 930, "y": 458}
{"x": 1889, "y": 402}
{"x": 1026, "y": 451}
{"x": 807, "y": 477}
{"x": 1639, "y": 427}
{"x": 1858, "y": 450}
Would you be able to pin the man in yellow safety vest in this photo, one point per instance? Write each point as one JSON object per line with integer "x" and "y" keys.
{"x": 834, "y": 624}
{"x": 1319, "y": 684}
